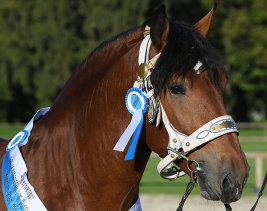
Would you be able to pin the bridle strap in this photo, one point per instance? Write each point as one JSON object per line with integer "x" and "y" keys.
{"x": 179, "y": 141}
{"x": 166, "y": 163}
{"x": 207, "y": 132}
{"x": 144, "y": 50}
{"x": 175, "y": 138}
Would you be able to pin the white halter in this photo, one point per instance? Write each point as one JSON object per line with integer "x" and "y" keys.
{"x": 178, "y": 141}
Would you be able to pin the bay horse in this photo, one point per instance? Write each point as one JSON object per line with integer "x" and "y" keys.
{"x": 70, "y": 158}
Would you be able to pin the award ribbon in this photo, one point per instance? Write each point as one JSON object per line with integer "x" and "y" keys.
{"x": 18, "y": 193}
{"x": 137, "y": 105}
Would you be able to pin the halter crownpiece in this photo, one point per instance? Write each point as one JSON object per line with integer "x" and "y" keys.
{"x": 198, "y": 67}
{"x": 139, "y": 99}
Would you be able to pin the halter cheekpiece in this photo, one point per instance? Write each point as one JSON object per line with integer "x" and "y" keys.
{"x": 178, "y": 142}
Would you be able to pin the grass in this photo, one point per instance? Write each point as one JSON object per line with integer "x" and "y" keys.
{"x": 8, "y": 131}
{"x": 152, "y": 183}
{"x": 254, "y": 141}
{"x": 250, "y": 139}
{"x": 254, "y": 146}
{"x": 256, "y": 132}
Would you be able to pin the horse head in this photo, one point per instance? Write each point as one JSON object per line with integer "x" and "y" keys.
{"x": 189, "y": 81}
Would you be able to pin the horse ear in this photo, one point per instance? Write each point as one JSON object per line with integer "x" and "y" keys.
{"x": 203, "y": 25}
{"x": 160, "y": 26}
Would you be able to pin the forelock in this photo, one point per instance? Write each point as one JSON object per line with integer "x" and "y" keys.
{"x": 185, "y": 47}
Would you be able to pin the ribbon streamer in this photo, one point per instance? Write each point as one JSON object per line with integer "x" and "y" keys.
{"x": 134, "y": 128}
{"x": 18, "y": 193}
{"x": 131, "y": 150}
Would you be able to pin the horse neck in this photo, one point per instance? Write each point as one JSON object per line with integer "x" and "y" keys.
{"x": 89, "y": 116}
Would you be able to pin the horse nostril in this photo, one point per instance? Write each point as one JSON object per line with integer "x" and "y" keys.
{"x": 227, "y": 182}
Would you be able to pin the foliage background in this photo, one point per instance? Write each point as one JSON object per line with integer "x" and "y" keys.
{"x": 42, "y": 42}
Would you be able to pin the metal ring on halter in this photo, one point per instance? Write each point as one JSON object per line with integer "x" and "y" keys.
{"x": 187, "y": 159}
{"x": 191, "y": 162}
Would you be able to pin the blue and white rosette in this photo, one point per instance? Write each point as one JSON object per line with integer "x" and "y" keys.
{"x": 18, "y": 193}
{"x": 137, "y": 104}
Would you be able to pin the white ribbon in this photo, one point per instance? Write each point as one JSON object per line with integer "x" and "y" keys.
{"x": 125, "y": 137}
{"x": 18, "y": 193}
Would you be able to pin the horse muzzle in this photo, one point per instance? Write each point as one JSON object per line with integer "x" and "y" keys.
{"x": 226, "y": 186}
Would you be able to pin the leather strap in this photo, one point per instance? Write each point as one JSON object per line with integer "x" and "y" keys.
{"x": 177, "y": 141}
{"x": 260, "y": 192}
{"x": 210, "y": 131}
{"x": 166, "y": 163}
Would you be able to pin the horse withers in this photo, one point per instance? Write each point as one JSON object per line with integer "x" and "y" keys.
{"x": 69, "y": 155}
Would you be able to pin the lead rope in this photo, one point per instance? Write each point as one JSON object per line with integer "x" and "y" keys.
{"x": 193, "y": 179}
{"x": 189, "y": 189}
{"x": 191, "y": 186}
{"x": 228, "y": 207}
{"x": 192, "y": 183}
{"x": 260, "y": 193}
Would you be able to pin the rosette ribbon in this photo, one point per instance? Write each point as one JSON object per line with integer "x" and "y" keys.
{"x": 137, "y": 105}
{"x": 18, "y": 193}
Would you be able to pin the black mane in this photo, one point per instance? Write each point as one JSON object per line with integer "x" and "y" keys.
{"x": 185, "y": 47}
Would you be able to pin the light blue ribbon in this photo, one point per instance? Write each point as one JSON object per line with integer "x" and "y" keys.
{"x": 134, "y": 128}
{"x": 18, "y": 193}
{"x": 131, "y": 150}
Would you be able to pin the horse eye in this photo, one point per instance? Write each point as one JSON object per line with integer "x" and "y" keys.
{"x": 177, "y": 89}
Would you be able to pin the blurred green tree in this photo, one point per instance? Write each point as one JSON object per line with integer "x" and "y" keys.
{"x": 239, "y": 31}
{"x": 42, "y": 42}
{"x": 244, "y": 41}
